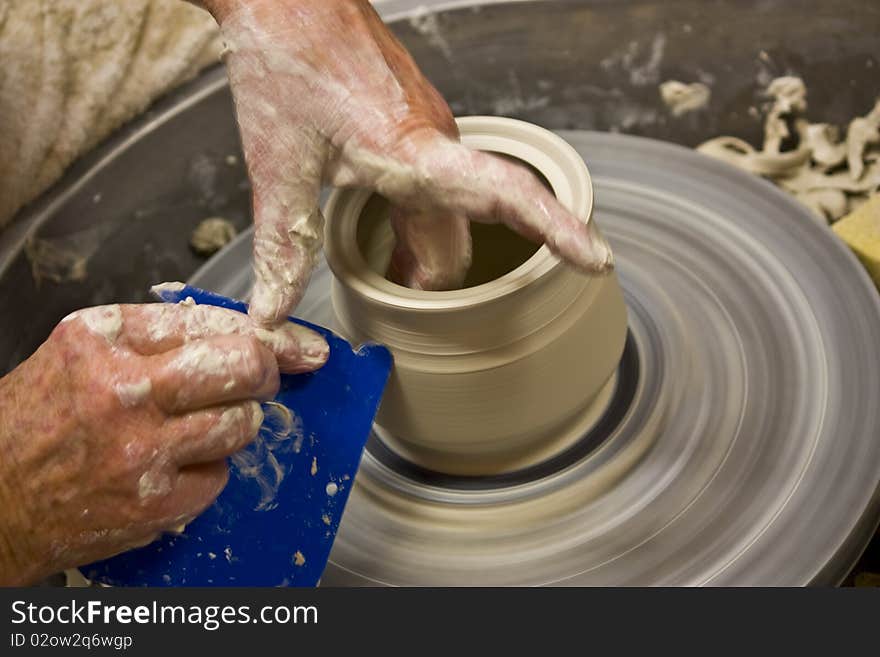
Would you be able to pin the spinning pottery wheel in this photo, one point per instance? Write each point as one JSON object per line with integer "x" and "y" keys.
{"x": 740, "y": 442}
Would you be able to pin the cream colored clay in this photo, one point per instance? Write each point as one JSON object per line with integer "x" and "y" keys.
{"x": 499, "y": 375}
{"x": 789, "y": 96}
{"x": 682, "y": 98}
{"x": 823, "y": 141}
{"x": 861, "y": 132}
{"x": 104, "y": 321}
{"x": 170, "y": 286}
{"x": 200, "y": 321}
{"x": 741, "y": 154}
{"x": 826, "y": 175}
{"x": 825, "y": 203}
{"x": 236, "y": 416}
{"x": 211, "y": 235}
{"x": 133, "y": 394}
{"x": 807, "y": 179}
{"x": 153, "y": 483}
{"x": 203, "y": 359}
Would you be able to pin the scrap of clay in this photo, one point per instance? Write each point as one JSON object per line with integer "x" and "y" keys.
{"x": 862, "y": 131}
{"x": 830, "y": 177}
{"x": 807, "y": 179}
{"x": 823, "y": 141}
{"x": 211, "y": 235}
{"x": 741, "y": 154}
{"x": 682, "y": 98}
{"x": 825, "y": 203}
{"x": 789, "y": 97}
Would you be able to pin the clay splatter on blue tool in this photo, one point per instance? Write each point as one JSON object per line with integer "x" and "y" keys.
{"x": 280, "y": 434}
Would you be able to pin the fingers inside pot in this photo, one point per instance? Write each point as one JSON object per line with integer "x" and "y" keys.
{"x": 509, "y": 193}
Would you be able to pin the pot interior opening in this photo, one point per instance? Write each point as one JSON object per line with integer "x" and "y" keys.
{"x": 497, "y": 250}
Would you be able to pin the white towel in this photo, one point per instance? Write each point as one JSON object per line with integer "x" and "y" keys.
{"x": 72, "y": 71}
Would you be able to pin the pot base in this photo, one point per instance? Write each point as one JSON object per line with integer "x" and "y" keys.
{"x": 475, "y": 465}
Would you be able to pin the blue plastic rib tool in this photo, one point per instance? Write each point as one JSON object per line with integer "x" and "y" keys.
{"x": 274, "y": 523}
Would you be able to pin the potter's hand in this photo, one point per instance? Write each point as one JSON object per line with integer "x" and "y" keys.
{"x": 323, "y": 91}
{"x": 118, "y": 426}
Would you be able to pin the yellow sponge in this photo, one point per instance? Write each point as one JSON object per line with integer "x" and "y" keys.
{"x": 861, "y": 231}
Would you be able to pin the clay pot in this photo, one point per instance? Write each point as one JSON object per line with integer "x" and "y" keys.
{"x": 504, "y": 373}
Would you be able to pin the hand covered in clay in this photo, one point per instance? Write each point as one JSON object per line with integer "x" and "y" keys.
{"x": 117, "y": 428}
{"x": 324, "y": 92}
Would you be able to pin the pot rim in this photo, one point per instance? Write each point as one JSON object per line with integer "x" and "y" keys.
{"x": 549, "y": 154}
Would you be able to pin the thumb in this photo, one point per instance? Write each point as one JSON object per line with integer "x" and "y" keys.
{"x": 288, "y": 235}
{"x": 285, "y": 161}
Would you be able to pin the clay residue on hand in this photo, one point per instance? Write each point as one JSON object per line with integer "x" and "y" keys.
{"x": 134, "y": 393}
{"x": 103, "y": 321}
{"x": 153, "y": 483}
{"x": 828, "y": 175}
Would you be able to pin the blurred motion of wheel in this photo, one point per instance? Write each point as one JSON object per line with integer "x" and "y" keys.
{"x": 736, "y": 450}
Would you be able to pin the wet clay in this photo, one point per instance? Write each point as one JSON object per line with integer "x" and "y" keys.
{"x": 829, "y": 175}
{"x": 505, "y": 372}
{"x": 682, "y": 98}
